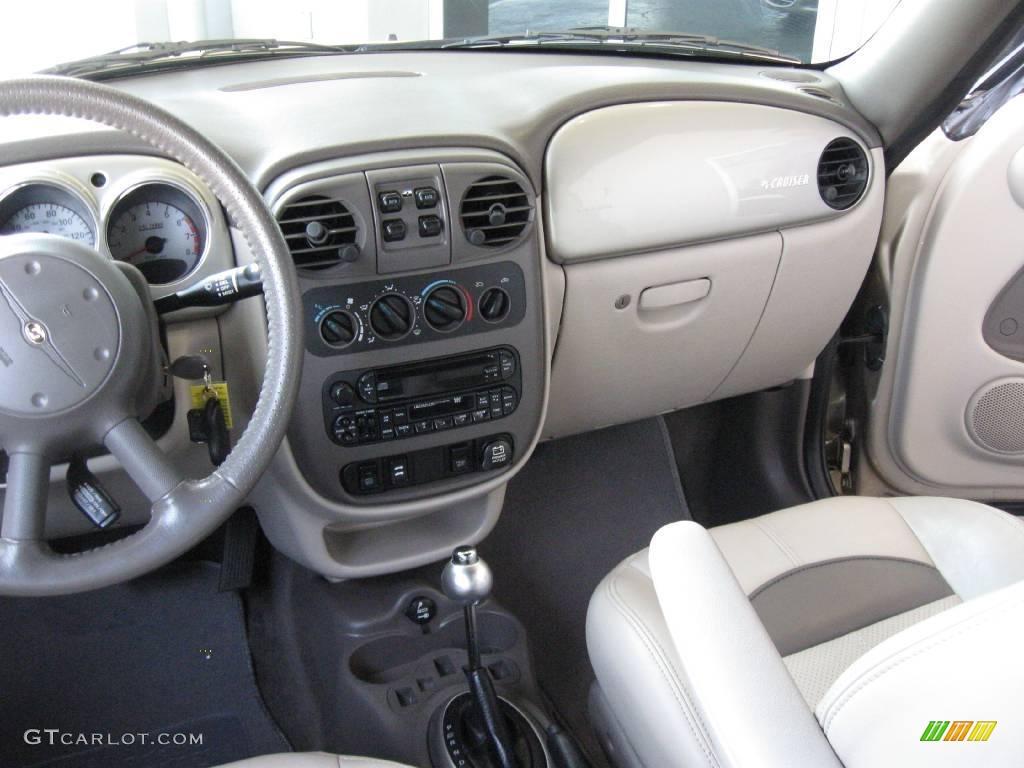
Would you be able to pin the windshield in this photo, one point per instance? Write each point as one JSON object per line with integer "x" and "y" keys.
{"x": 809, "y": 31}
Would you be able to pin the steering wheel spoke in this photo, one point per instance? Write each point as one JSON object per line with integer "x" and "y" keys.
{"x": 146, "y": 464}
{"x": 28, "y": 483}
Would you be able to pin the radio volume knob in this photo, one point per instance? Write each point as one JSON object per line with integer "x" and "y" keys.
{"x": 392, "y": 316}
{"x": 444, "y": 308}
{"x": 494, "y": 305}
{"x": 338, "y": 328}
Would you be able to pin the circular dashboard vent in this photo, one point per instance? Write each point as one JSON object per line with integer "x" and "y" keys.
{"x": 320, "y": 232}
{"x": 495, "y": 211}
{"x": 842, "y": 173}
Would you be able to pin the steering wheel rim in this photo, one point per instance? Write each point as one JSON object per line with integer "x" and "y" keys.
{"x": 183, "y": 511}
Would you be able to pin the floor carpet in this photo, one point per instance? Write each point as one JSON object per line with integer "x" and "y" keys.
{"x": 579, "y": 507}
{"x": 163, "y": 655}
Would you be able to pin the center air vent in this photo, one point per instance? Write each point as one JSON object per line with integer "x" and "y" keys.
{"x": 320, "y": 232}
{"x": 495, "y": 211}
{"x": 842, "y": 173}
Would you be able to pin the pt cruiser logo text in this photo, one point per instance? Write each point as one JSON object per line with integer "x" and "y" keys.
{"x": 958, "y": 730}
{"x": 784, "y": 182}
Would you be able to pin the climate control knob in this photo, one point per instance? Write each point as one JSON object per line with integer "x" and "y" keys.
{"x": 444, "y": 308}
{"x": 494, "y": 305}
{"x": 392, "y": 316}
{"x": 338, "y": 328}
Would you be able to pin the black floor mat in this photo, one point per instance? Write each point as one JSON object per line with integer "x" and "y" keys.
{"x": 579, "y": 507}
{"x": 163, "y": 655}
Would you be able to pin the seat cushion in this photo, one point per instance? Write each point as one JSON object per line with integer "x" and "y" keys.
{"x": 311, "y": 760}
{"x": 829, "y": 580}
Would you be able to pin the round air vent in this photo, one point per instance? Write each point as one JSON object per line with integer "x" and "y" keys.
{"x": 320, "y": 232}
{"x": 495, "y": 211}
{"x": 995, "y": 416}
{"x": 842, "y": 173}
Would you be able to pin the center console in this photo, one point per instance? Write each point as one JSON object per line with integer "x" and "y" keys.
{"x": 425, "y": 369}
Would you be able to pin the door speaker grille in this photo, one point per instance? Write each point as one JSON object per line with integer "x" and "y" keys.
{"x": 996, "y": 416}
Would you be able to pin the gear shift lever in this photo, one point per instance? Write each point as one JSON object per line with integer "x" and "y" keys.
{"x": 467, "y": 580}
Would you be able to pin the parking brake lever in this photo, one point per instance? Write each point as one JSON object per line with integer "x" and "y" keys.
{"x": 222, "y": 288}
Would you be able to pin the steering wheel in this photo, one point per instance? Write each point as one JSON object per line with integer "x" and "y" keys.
{"x": 79, "y": 362}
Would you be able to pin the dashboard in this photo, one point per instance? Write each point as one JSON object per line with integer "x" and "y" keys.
{"x": 493, "y": 249}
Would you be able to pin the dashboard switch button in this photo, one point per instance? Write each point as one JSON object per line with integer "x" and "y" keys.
{"x": 398, "y": 470}
{"x": 459, "y": 458}
{"x": 393, "y": 230}
{"x": 429, "y": 226}
{"x": 369, "y": 477}
{"x": 390, "y": 202}
{"x": 426, "y": 197}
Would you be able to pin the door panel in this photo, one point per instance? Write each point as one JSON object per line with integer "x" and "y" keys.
{"x": 947, "y": 415}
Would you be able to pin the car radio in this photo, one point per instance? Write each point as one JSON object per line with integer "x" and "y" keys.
{"x": 374, "y": 405}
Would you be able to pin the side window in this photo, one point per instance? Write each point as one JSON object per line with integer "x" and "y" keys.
{"x": 1000, "y": 84}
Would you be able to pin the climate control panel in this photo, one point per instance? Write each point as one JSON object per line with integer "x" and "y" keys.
{"x": 407, "y": 310}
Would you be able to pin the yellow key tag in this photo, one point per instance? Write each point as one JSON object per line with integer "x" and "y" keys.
{"x": 219, "y": 389}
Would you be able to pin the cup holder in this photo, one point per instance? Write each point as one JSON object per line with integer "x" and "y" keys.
{"x": 388, "y": 658}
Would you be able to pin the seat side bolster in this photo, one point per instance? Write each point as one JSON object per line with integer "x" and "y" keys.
{"x": 962, "y": 663}
{"x": 977, "y": 548}
{"x": 636, "y": 667}
{"x": 753, "y": 711}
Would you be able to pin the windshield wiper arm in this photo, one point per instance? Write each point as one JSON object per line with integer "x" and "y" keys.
{"x": 138, "y": 56}
{"x": 624, "y": 36}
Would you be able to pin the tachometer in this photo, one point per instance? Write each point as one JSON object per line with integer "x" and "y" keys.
{"x": 160, "y": 229}
{"x": 46, "y": 209}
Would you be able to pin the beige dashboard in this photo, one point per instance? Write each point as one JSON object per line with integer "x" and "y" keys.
{"x": 687, "y": 239}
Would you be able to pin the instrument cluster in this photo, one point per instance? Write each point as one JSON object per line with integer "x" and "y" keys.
{"x": 149, "y": 212}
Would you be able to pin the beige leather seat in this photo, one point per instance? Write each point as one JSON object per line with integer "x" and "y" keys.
{"x": 311, "y": 760}
{"x": 830, "y": 634}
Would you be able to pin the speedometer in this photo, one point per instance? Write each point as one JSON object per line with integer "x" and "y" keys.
{"x": 159, "y": 229}
{"x": 51, "y": 218}
{"x": 46, "y": 209}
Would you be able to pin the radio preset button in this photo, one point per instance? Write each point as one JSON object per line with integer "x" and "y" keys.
{"x": 423, "y": 427}
{"x": 403, "y": 430}
{"x": 445, "y": 422}
{"x": 481, "y": 414}
{"x": 462, "y": 419}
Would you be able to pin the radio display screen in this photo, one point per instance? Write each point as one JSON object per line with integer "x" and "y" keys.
{"x": 433, "y": 378}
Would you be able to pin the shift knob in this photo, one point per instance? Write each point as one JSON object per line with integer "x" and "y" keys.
{"x": 467, "y": 579}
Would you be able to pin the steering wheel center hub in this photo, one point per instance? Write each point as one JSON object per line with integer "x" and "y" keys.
{"x": 60, "y": 325}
